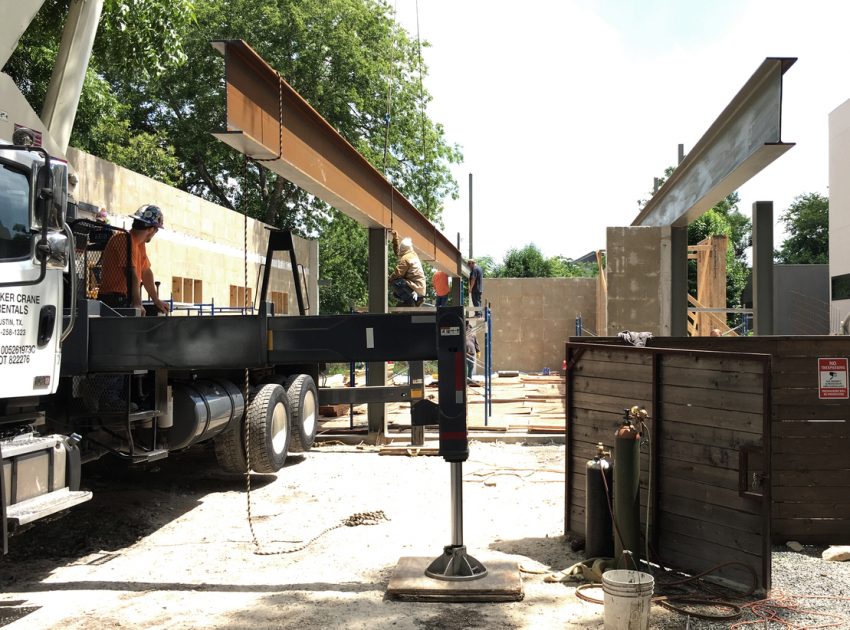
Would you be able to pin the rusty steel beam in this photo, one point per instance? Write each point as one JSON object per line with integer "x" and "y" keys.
{"x": 315, "y": 157}
{"x": 744, "y": 139}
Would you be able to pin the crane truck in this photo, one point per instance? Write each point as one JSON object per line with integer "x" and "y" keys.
{"x": 80, "y": 380}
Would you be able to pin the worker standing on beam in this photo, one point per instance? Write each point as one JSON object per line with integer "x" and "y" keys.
{"x": 408, "y": 279}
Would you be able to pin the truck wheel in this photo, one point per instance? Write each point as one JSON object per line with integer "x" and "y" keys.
{"x": 304, "y": 400}
{"x": 230, "y": 448}
{"x": 269, "y": 428}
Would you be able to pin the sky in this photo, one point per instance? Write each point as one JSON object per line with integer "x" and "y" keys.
{"x": 566, "y": 110}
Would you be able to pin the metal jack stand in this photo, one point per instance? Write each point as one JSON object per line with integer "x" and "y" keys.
{"x": 454, "y": 576}
{"x": 455, "y": 564}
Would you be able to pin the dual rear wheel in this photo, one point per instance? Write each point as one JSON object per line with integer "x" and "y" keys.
{"x": 280, "y": 419}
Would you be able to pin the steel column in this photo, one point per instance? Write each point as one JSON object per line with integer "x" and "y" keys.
{"x": 763, "y": 267}
{"x": 679, "y": 281}
{"x": 314, "y": 156}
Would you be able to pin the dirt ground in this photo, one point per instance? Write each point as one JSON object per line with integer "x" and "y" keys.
{"x": 171, "y": 548}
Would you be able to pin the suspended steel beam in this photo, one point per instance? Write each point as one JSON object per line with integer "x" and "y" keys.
{"x": 744, "y": 139}
{"x": 308, "y": 151}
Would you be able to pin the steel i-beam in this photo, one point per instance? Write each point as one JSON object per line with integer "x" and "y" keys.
{"x": 744, "y": 139}
{"x": 314, "y": 156}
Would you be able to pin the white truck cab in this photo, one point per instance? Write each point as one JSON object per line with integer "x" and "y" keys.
{"x": 39, "y": 474}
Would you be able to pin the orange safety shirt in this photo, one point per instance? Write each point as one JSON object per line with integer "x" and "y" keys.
{"x": 114, "y": 263}
{"x": 441, "y": 283}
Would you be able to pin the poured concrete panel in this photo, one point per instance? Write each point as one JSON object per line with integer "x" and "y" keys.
{"x": 638, "y": 280}
{"x": 201, "y": 240}
{"x": 533, "y": 317}
{"x": 801, "y": 300}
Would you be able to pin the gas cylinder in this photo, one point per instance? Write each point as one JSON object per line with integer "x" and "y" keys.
{"x": 627, "y": 491}
{"x": 599, "y": 537}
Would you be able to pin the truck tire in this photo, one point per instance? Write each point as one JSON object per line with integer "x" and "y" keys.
{"x": 269, "y": 428}
{"x": 230, "y": 448}
{"x": 304, "y": 401}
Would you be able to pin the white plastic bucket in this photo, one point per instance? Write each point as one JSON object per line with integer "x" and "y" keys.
{"x": 628, "y": 597}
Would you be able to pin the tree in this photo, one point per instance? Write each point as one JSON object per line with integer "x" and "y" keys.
{"x": 135, "y": 38}
{"x": 562, "y": 267}
{"x": 146, "y": 109}
{"x": 527, "y": 262}
{"x": 806, "y": 222}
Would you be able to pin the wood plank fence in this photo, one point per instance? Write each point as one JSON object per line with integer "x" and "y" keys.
{"x": 810, "y": 436}
{"x": 709, "y": 430}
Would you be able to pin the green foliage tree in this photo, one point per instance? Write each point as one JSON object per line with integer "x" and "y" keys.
{"x": 806, "y": 222}
{"x": 562, "y": 267}
{"x": 344, "y": 56}
{"x": 527, "y": 262}
{"x": 136, "y": 39}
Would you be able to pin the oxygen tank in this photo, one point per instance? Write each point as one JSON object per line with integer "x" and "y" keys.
{"x": 598, "y": 529}
{"x": 627, "y": 491}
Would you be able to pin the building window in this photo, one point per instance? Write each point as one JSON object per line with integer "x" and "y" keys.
{"x": 239, "y": 298}
{"x": 280, "y": 299}
{"x": 187, "y": 290}
{"x": 841, "y": 287}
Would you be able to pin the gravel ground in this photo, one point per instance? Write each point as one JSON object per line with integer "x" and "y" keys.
{"x": 171, "y": 548}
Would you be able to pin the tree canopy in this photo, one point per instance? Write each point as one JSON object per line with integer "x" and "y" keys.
{"x": 154, "y": 93}
{"x": 529, "y": 262}
{"x": 806, "y": 223}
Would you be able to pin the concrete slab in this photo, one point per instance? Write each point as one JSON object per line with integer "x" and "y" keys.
{"x": 503, "y": 583}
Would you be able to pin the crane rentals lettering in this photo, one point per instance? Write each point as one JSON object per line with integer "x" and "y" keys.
{"x": 17, "y": 303}
{"x": 14, "y": 306}
{"x": 833, "y": 378}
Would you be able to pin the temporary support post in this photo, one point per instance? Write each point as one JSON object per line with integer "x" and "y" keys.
{"x": 763, "y": 267}
{"x": 376, "y": 373}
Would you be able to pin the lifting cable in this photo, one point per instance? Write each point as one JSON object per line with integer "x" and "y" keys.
{"x": 422, "y": 117}
{"x": 359, "y": 518}
{"x": 388, "y": 117}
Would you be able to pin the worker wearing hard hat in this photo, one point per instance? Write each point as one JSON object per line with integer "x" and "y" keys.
{"x": 123, "y": 270}
{"x": 408, "y": 279}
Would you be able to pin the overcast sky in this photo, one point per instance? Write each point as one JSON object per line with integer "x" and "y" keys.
{"x": 567, "y": 109}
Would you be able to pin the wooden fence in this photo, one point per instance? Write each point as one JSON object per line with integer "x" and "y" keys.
{"x": 810, "y": 435}
{"x": 703, "y": 502}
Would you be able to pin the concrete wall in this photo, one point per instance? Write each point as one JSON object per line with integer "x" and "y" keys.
{"x": 532, "y": 318}
{"x": 201, "y": 240}
{"x": 839, "y": 202}
{"x": 801, "y": 300}
{"x": 638, "y": 280}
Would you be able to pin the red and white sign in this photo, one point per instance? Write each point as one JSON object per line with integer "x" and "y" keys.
{"x": 832, "y": 378}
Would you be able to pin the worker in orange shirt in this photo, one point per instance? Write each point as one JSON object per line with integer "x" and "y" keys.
{"x": 125, "y": 268}
{"x": 441, "y": 283}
